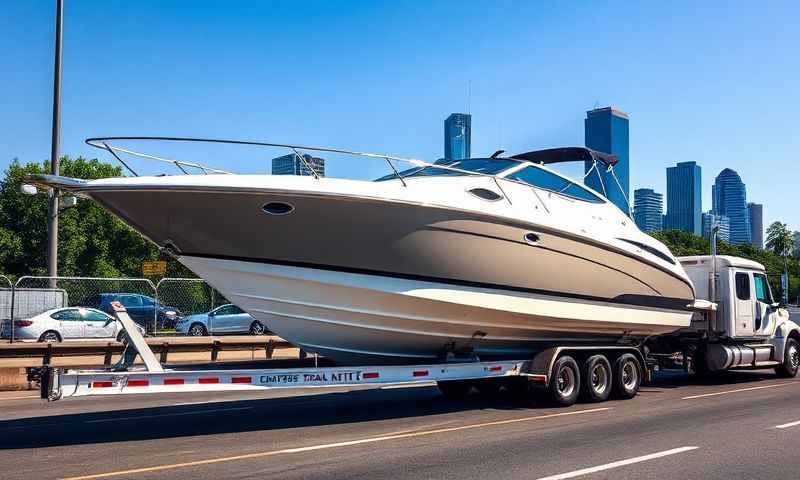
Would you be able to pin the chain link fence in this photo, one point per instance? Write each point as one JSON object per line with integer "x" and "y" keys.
{"x": 190, "y": 296}
{"x": 156, "y": 307}
{"x": 33, "y": 296}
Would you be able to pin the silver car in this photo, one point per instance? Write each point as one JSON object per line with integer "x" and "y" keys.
{"x": 228, "y": 319}
{"x": 61, "y": 324}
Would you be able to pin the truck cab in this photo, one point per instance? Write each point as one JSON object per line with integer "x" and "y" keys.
{"x": 747, "y": 328}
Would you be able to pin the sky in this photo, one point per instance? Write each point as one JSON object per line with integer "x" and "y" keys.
{"x": 711, "y": 82}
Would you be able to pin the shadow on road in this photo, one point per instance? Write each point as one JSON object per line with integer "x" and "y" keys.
{"x": 234, "y": 417}
{"x": 239, "y": 416}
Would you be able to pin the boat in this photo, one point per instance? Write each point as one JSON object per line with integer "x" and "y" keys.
{"x": 494, "y": 257}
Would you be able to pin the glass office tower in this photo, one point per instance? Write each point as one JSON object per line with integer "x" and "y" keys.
{"x": 709, "y": 219}
{"x": 730, "y": 199}
{"x": 457, "y": 136}
{"x": 648, "y": 207}
{"x": 756, "y": 213}
{"x": 684, "y": 198}
{"x": 606, "y": 130}
{"x": 291, "y": 164}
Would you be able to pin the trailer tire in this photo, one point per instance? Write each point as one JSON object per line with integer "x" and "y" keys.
{"x": 455, "y": 389}
{"x": 791, "y": 359}
{"x": 565, "y": 382}
{"x": 597, "y": 379}
{"x": 627, "y": 376}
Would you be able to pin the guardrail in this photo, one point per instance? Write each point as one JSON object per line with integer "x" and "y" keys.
{"x": 160, "y": 346}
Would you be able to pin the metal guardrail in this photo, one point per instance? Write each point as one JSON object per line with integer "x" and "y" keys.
{"x": 161, "y": 346}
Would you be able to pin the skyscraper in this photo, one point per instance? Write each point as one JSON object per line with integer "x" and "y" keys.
{"x": 648, "y": 207}
{"x": 606, "y": 130}
{"x": 756, "y": 213}
{"x": 684, "y": 198}
{"x": 291, "y": 164}
{"x": 730, "y": 199}
{"x": 457, "y": 136}
{"x": 709, "y": 219}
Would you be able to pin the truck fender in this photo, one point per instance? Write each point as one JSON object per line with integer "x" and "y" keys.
{"x": 785, "y": 330}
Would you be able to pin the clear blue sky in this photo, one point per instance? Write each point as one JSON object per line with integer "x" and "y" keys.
{"x": 713, "y": 82}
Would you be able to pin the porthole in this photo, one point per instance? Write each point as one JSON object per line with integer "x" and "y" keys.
{"x": 485, "y": 194}
{"x": 277, "y": 208}
{"x": 532, "y": 238}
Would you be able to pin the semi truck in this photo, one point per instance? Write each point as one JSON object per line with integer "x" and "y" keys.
{"x": 736, "y": 324}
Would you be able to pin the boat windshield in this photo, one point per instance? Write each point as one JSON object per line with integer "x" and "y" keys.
{"x": 487, "y": 166}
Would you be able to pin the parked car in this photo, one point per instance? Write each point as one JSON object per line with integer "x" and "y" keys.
{"x": 224, "y": 319}
{"x": 141, "y": 308}
{"x": 60, "y": 324}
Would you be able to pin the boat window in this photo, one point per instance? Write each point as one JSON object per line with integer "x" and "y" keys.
{"x": 742, "y": 286}
{"x": 763, "y": 293}
{"x": 488, "y": 166}
{"x": 543, "y": 179}
{"x": 486, "y": 194}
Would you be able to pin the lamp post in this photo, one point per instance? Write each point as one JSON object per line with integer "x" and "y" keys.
{"x": 52, "y": 217}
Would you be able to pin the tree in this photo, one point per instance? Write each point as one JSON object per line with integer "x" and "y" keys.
{"x": 91, "y": 241}
{"x": 780, "y": 239}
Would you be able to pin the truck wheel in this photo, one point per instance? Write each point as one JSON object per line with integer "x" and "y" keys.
{"x": 565, "y": 382}
{"x": 627, "y": 376}
{"x": 455, "y": 389}
{"x": 596, "y": 375}
{"x": 791, "y": 359}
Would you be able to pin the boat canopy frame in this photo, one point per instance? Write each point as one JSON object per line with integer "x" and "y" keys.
{"x": 538, "y": 158}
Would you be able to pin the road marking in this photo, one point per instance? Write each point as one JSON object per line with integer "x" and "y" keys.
{"x": 413, "y": 385}
{"x": 787, "y": 425}
{"x": 19, "y": 398}
{"x": 160, "y": 415}
{"x": 784, "y": 384}
{"x": 361, "y": 441}
{"x": 620, "y": 463}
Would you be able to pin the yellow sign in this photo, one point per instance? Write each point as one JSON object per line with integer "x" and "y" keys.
{"x": 154, "y": 269}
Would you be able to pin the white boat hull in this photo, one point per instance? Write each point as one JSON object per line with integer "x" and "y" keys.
{"x": 353, "y": 317}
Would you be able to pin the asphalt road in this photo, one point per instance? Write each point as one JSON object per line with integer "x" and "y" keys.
{"x": 675, "y": 428}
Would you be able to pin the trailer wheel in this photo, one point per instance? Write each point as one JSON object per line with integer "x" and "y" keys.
{"x": 455, "y": 389}
{"x": 597, "y": 379}
{"x": 627, "y": 376}
{"x": 565, "y": 382}
{"x": 791, "y": 359}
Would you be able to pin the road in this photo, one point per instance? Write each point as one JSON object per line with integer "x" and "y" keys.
{"x": 676, "y": 428}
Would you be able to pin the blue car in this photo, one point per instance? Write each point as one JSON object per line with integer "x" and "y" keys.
{"x": 226, "y": 319}
{"x": 141, "y": 308}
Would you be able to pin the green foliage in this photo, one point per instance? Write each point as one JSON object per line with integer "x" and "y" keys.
{"x": 780, "y": 239}
{"x": 91, "y": 241}
{"x": 685, "y": 244}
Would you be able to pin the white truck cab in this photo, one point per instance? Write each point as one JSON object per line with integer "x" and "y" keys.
{"x": 748, "y": 328}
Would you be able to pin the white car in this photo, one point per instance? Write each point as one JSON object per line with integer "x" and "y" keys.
{"x": 61, "y": 324}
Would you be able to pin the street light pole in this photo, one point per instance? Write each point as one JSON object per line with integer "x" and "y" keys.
{"x": 52, "y": 218}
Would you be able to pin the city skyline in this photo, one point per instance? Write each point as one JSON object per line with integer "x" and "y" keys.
{"x": 606, "y": 130}
{"x": 693, "y": 97}
{"x": 684, "y": 197}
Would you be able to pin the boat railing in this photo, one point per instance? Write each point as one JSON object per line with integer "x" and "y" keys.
{"x": 187, "y": 167}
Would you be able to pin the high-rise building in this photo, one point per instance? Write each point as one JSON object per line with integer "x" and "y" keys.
{"x": 606, "y": 130}
{"x": 457, "y": 136}
{"x": 756, "y": 213}
{"x": 709, "y": 219}
{"x": 684, "y": 198}
{"x": 648, "y": 208}
{"x": 292, "y": 164}
{"x": 730, "y": 199}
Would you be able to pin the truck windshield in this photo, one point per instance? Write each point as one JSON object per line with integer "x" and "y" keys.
{"x": 488, "y": 166}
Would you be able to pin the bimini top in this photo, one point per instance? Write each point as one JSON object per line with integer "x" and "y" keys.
{"x": 567, "y": 154}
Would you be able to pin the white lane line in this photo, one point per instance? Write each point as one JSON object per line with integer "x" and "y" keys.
{"x": 383, "y": 438}
{"x": 787, "y": 425}
{"x": 161, "y": 415}
{"x": 413, "y": 385}
{"x": 777, "y": 385}
{"x": 620, "y": 463}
